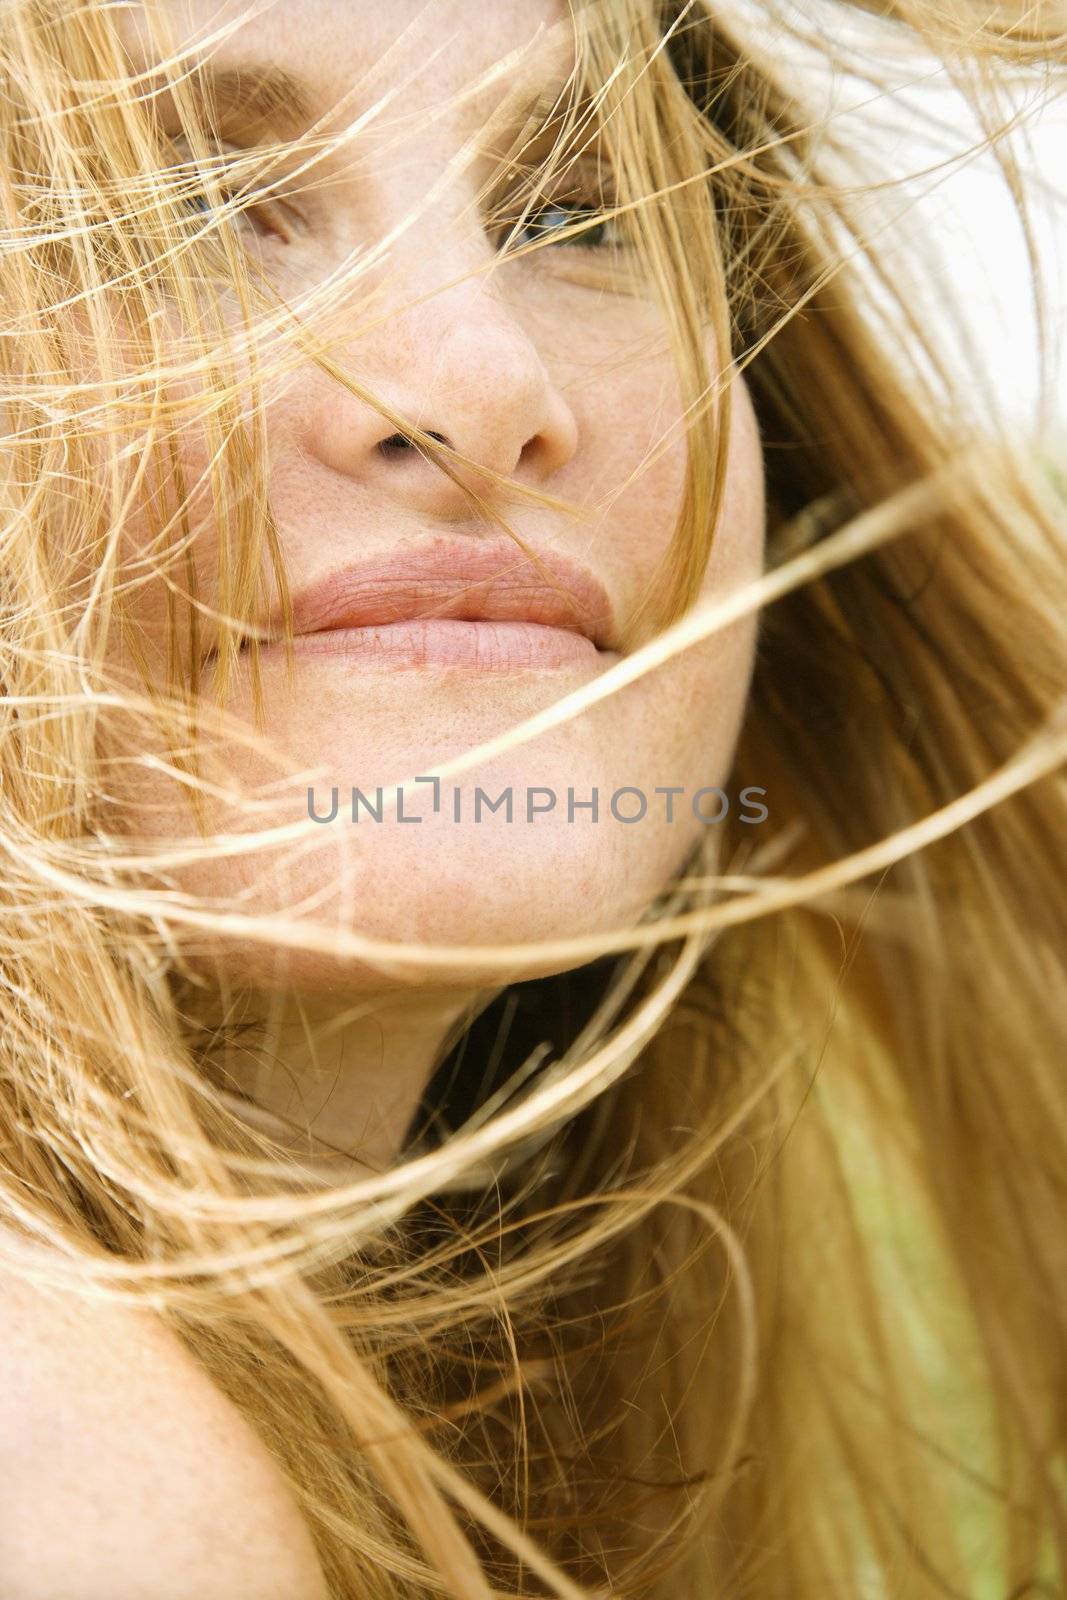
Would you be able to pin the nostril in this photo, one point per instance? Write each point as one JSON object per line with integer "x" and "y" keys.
{"x": 402, "y": 441}
{"x": 395, "y": 441}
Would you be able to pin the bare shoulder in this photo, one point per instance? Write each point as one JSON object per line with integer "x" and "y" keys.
{"x": 125, "y": 1474}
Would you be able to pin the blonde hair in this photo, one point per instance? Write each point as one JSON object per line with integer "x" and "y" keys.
{"x": 804, "y": 1335}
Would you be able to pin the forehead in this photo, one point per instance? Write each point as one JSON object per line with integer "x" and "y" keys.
{"x": 306, "y": 57}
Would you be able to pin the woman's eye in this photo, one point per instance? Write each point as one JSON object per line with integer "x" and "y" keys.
{"x": 559, "y": 218}
{"x": 262, "y": 217}
{"x": 564, "y": 204}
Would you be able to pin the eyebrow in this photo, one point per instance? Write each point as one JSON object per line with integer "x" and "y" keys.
{"x": 260, "y": 97}
{"x": 263, "y": 89}
{"x": 256, "y": 93}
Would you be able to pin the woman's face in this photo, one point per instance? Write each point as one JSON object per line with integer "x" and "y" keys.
{"x": 527, "y": 370}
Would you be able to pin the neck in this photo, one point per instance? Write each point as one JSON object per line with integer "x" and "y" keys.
{"x": 337, "y": 1075}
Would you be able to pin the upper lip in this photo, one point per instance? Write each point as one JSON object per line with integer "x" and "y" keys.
{"x": 478, "y": 580}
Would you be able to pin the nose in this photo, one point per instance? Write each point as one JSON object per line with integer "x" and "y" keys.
{"x": 460, "y": 366}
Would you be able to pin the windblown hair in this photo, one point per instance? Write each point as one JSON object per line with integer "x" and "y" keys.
{"x": 756, "y": 1283}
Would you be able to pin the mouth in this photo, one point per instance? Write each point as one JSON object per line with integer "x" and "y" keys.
{"x": 479, "y": 605}
{"x": 479, "y": 645}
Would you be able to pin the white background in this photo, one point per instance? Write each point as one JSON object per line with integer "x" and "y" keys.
{"x": 957, "y": 240}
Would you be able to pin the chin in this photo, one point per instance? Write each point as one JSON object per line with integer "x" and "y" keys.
{"x": 435, "y": 881}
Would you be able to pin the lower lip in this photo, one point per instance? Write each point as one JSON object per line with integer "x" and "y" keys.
{"x": 452, "y": 642}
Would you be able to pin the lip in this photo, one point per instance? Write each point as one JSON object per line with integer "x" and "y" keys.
{"x": 472, "y": 581}
{"x": 482, "y": 604}
{"x": 477, "y": 645}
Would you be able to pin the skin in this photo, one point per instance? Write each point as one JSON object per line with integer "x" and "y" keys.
{"x": 528, "y": 371}
{"x": 126, "y": 1472}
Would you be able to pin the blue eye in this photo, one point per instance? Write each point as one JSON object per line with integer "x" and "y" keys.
{"x": 262, "y": 217}
{"x": 539, "y": 226}
{"x": 198, "y": 204}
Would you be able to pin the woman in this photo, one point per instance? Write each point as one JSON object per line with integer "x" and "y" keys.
{"x": 531, "y": 913}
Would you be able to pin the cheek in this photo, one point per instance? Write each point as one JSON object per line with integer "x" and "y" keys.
{"x": 738, "y": 549}
{"x": 631, "y": 424}
{"x": 720, "y": 668}
{"x": 620, "y": 378}
{"x": 688, "y": 713}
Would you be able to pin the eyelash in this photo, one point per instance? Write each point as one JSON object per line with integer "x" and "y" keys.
{"x": 568, "y": 208}
{"x": 250, "y": 212}
{"x": 527, "y": 226}
{"x": 588, "y": 239}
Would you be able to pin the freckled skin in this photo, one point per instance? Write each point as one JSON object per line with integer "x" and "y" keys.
{"x": 565, "y": 387}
